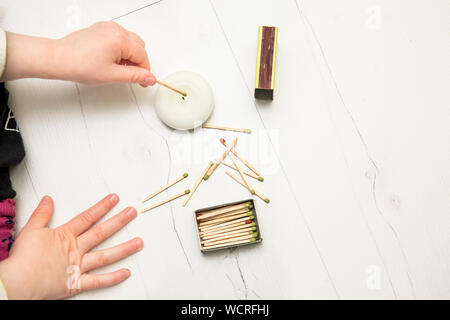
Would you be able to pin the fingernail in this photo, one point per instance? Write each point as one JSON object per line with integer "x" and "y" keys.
{"x": 149, "y": 81}
{"x": 45, "y": 200}
{"x": 138, "y": 243}
{"x": 114, "y": 198}
{"x": 131, "y": 212}
{"x": 126, "y": 272}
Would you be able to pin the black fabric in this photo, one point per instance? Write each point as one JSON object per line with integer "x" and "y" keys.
{"x": 11, "y": 144}
{"x": 12, "y": 150}
{"x": 6, "y": 190}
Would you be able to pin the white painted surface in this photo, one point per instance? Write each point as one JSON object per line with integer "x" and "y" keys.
{"x": 355, "y": 148}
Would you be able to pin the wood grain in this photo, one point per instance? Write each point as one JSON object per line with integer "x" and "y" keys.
{"x": 354, "y": 150}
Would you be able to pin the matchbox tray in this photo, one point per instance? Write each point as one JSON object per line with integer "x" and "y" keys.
{"x": 258, "y": 239}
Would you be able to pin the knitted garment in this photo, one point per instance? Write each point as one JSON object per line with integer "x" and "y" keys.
{"x": 7, "y": 214}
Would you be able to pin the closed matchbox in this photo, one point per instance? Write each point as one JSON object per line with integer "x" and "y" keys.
{"x": 265, "y": 62}
{"x": 258, "y": 239}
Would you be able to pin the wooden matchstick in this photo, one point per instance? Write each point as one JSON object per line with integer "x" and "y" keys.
{"x": 224, "y": 155}
{"x": 237, "y": 228}
{"x": 209, "y": 126}
{"x": 225, "y": 237}
{"x": 211, "y": 170}
{"x": 212, "y": 236}
{"x": 210, "y": 213}
{"x": 229, "y": 244}
{"x": 184, "y": 94}
{"x": 167, "y": 200}
{"x": 227, "y": 214}
{"x": 225, "y": 219}
{"x": 241, "y": 173}
{"x": 248, "y": 173}
{"x": 250, "y": 236}
{"x": 197, "y": 184}
{"x": 225, "y": 223}
{"x": 224, "y": 142}
{"x": 243, "y": 237}
{"x": 265, "y": 199}
{"x": 164, "y": 188}
{"x": 236, "y": 224}
{"x": 206, "y": 237}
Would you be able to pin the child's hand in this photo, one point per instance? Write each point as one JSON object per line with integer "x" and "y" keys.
{"x": 103, "y": 53}
{"x": 44, "y": 262}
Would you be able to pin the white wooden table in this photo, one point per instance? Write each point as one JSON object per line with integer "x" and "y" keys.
{"x": 355, "y": 148}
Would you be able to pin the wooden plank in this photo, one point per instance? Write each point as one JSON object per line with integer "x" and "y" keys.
{"x": 403, "y": 128}
{"x": 205, "y": 50}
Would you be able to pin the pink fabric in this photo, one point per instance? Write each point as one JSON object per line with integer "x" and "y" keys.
{"x": 7, "y": 214}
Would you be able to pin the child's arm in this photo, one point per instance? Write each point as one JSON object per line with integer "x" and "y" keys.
{"x": 49, "y": 263}
{"x": 103, "y": 53}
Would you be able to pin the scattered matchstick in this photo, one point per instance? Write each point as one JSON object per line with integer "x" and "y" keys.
{"x": 248, "y": 173}
{"x": 184, "y": 94}
{"x": 265, "y": 199}
{"x": 167, "y": 200}
{"x": 210, "y": 171}
{"x": 229, "y": 244}
{"x": 197, "y": 184}
{"x": 164, "y": 188}
{"x": 211, "y": 213}
{"x": 224, "y": 142}
{"x": 224, "y": 155}
{"x": 209, "y": 126}
{"x": 252, "y": 191}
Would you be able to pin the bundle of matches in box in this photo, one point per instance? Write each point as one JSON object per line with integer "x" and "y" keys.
{"x": 227, "y": 226}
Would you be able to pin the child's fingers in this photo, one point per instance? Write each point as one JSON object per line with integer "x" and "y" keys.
{"x": 104, "y": 230}
{"x": 136, "y": 38}
{"x": 132, "y": 74}
{"x": 101, "y": 258}
{"x": 97, "y": 281}
{"x": 86, "y": 219}
{"x": 134, "y": 52}
{"x": 42, "y": 214}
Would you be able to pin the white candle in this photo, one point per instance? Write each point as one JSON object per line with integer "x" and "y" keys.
{"x": 188, "y": 112}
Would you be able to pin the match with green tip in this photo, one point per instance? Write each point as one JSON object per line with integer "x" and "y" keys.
{"x": 206, "y": 177}
{"x": 255, "y": 234}
{"x": 185, "y": 175}
{"x": 253, "y": 224}
{"x": 253, "y": 228}
{"x": 187, "y": 191}
{"x": 266, "y": 200}
{"x": 248, "y": 130}
{"x": 253, "y": 191}
{"x": 261, "y": 179}
{"x": 252, "y": 240}
{"x": 252, "y": 217}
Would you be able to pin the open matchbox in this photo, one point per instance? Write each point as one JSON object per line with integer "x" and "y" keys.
{"x": 255, "y": 220}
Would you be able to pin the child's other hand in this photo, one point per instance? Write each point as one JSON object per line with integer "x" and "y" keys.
{"x": 102, "y": 53}
{"x": 44, "y": 263}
